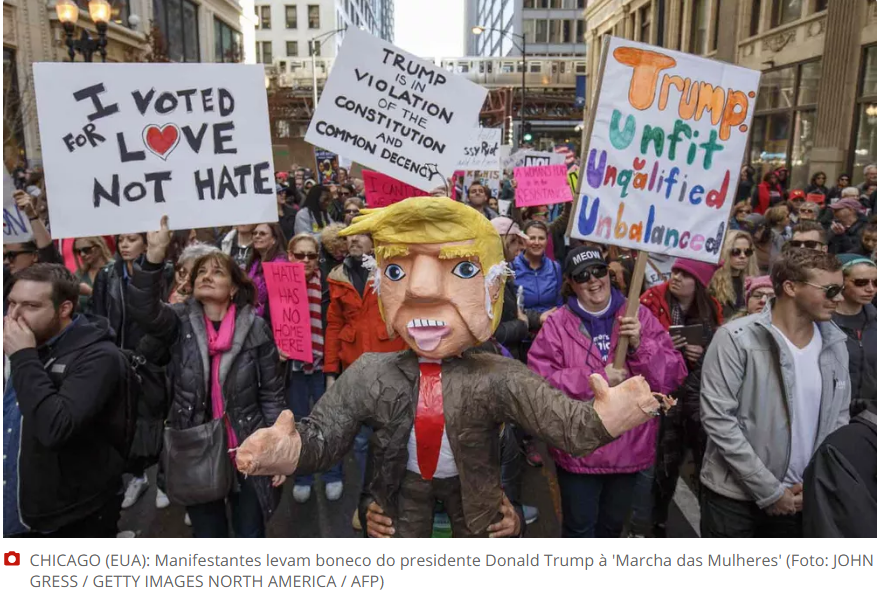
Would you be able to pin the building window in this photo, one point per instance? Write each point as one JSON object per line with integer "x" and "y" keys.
{"x": 292, "y": 48}
{"x": 263, "y": 52}
{"x": 282, "y": 67}
{"x": 227, "y": 43}
{"x": 863, "y": 152}
{"x": 785, "y": 121}
{"x": 755, "y": 17}
{"x": 529, "y": 27}
{"x": 821, "y": 5}
{"x": 315, "y": 48}
{"x": 785, "y": 11}
{"x": 291, "y": 17}
{"x": 542, "y": 31}
{"x": 698, "y": 40}
{"x": 530, "y": 4}
{"x": 313, "y": 16}
{"x": 580, "y": 31}
{"x": 554, "y": 31}
{"x": 568, "y": 32}
{"x": 645, "y": 23}
{"x": 263, "y": 14}
{"x": 177, "y": 20}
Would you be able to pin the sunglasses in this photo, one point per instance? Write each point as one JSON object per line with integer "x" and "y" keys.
{"x": 830, "y": 291}
{"x": 262, "y": 234}
{"x": 14, "y": 254}
{"x": 84, "y": 251}
{"x": 812, "y": 244}
{"x": 864, "y": 282}
{"x": 583, "y": 276}
{"x": 346, "y": 193}
{"x": 736, "y": 252}
{"x": 352, "y": 211}
{"x": 301, "y": 256}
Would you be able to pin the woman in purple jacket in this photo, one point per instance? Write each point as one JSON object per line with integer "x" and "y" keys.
{"x": 577, "y": 341}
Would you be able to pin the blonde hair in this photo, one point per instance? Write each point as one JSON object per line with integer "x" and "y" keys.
{"x": 776, "y": 214}
{"x": 721, "y": 286}
{"x": 330, "y": 237}
{"x": 96, "y": 241}
{"x": 431, "y": 220}
{"x": 307, "y": 237}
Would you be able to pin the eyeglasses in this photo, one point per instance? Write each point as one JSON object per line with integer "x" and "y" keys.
{"x": 261, "y": 234}
{"x": 84, "y": 251}
{"x": 346, "y": 193}
{"x": 352, "y": 211}
{"x": 736, "y": 252}
{"x": 761, "y": 295}
{"x": 301, "y": 256}
{"x": 864, "y": 282}
{"x": 812, "y": 244}
{"x": 583, "y": 276}
{"x": 14, "y": 254}
{"x": 831, "y": 291}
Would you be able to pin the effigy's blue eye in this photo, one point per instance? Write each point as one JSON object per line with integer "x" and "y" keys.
{"x": 466, "y": 270}
{"x": 394, "y": 272}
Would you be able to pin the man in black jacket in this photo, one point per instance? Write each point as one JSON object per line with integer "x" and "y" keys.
{"x": 68, "y": 389}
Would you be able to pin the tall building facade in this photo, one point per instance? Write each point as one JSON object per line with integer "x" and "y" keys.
{"x": 285, "y": 29}
{"x": 551, "y": 27}
{"x": 816, "y": 108}
{"x": 179, "y": 30}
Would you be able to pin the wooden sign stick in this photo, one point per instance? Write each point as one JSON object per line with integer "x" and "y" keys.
{"x": 632, "y": 306}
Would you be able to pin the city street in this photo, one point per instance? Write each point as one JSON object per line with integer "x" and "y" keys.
{"x": 321, "y": 518}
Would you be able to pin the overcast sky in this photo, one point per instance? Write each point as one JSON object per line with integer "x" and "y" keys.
{"x": 429, "y": 28}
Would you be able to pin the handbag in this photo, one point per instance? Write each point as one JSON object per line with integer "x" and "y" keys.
{"x": 196, "y": 463}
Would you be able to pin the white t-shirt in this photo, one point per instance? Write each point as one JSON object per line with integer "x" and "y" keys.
{"x": 445, "y": 468}
{"x": 806, "y": 394}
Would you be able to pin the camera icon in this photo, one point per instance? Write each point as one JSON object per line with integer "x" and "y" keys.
{"x": 11, "y": 559}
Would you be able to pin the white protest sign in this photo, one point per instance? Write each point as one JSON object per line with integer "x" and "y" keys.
{"x": 525, "y": 158}
{"x": 481, "y": 151}
{"x": 16, "y": 226}
{"x": 124, "y": 144}
{"x": 395, "y": 113}
{"x": 665, "y": 150}
{"x": 489, "y": 178}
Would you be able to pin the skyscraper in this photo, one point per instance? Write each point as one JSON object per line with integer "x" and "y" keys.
{"x": 551, "y": 27}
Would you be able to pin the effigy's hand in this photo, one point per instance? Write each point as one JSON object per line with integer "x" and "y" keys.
{"x": 627, "y": 405}
{"x": 273, "y": 450}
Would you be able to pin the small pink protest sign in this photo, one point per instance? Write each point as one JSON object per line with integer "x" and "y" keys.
{"x": 382, "y": 190}
{"x": 541, "y": 185}
{"x": 290, "y": 317}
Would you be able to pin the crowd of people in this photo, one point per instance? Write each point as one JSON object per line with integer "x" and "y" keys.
{"x": 770, "y": 354}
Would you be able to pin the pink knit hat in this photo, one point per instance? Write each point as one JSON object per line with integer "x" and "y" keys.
{"x": 702, "y": 272}
{"x": 751, "y": 284}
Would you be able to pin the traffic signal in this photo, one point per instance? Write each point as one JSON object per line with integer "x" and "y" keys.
{"x": 528, "y": 134}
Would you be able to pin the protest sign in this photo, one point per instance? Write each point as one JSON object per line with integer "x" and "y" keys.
{"x": 124, "y": 144}
{"x": 16, "y": 226}
{"x": 541, "y": 185}
{"x": 481, "y": 151}
{"x": 290, "y": 316}
{"x": 381, "y": 190}
{"x": 521, "y": 158}
{"x": 489, "y": 178}
{"x": 573, "y": 178}
{"x": 327, "y": 166}
{"x": 391, "y": 111}
{"x": 664, "y": 147}
{"x": 505, "y": 206}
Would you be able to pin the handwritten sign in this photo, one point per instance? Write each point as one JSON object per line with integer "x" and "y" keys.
{"x": 290, "y": 317}
{"x": 523, "y": 158}
{"x": 381, "y": 190}
{"x": 667, "y": 138}
{"x": 124, "y": 144}
{"x": 391, "y": 111}
{"x": 481, "y": 151}
{"x": 489, "y": 178}
{"x": 327, "y": 166}
{"x": 541, "y": 185}
{"x": 573, "y": 178}
{"x": 16, "y": 226}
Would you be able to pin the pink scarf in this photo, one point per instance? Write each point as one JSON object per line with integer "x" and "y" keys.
{"x": 217, "y": 344}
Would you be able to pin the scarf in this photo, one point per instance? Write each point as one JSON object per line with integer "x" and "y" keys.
{"x": 217, "y": 344}
{"x": 315, "y": 295}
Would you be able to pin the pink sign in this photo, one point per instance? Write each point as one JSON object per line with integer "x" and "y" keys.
{"x": 382, "y": 190}
{"x": 541, "y": 185}
{"x": 290, "y": 317}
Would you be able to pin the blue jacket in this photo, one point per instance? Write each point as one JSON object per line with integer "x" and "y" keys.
{"x": 542, "y": 287}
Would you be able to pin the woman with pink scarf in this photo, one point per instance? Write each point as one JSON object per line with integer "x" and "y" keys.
{"x": 222, "y": 362}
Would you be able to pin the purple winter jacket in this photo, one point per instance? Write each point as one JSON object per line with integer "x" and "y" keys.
{"x": 564, "y": 355}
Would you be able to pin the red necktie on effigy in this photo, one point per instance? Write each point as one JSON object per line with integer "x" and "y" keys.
{"x": 429, "y": 419}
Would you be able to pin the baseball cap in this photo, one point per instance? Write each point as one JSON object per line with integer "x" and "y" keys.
{"x": 797, "y": 194}
{"x": 507, "y": 227}
{"x": 849, "y": 203}
{"x": 582, "y": 258}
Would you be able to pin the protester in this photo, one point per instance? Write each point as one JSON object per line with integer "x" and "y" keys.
{"x": 182, "y": 286}
{"x": 808, "y": 234}
{"x": 682, "y": 301}
{"x": 92, "y": 255}
{"x": 778, "y": 219}
{"x": 580, "y": 339}
{"x": 797, "y": 198}
{"x": 870, "y": 176}
{"x": 745, "y": 185}
{"x": 515, "y": 324}
{"x": 352, "y": 207}
{"x": 768, "y": 194}
{"x": 65, "y": 434}
{"x": 477, "y": 196}
{"x": 856, "y": 317}
{"x": 727, "y": 285}
{"x": 740, "y": 211}
{"x": 817, "y": 184}
{"x": 238, "y": 244}
{"x": 538, "y": 276}
{"x": 783, "y": 179}
{"x": 305, "y": 381}
{"x": 808, "y": 212}
{"x": 342, "y": 177}
{"x": 312, "y": 218}
{"x": 268, "y": 247}
{"x": 868, "y": 241}
{"x": 849, "y": 222}
{"x": 834, "y": 194}
{"x": 759, "y": 291}
{"x": 240, "y": 382}
{"x": 765, "y": 414}
{"x": 286, "y": 214}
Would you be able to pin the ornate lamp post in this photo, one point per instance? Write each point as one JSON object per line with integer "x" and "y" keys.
{"x": 68, "y": 14}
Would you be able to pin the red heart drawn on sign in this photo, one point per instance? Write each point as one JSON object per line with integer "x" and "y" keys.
{"x": 161, "y": 141}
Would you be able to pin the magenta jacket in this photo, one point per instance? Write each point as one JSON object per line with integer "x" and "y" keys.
{"x": 564, "y": 354}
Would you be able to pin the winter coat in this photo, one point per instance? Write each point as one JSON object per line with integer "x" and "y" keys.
{"x": 542, "y": 286}
{"x": 252, "y": 383}
{"x": 511, "y": 331}
{"x": 861, "y": 351}
{"x": 766, "y": 196}
{"x": 565, "y": 355}
{"x": 353, "y": 324}
{"x": 70, "y": 394}
{"x": 480, "y": 392}
{"x": 287, "y": 222}
{"x": 851, "y": 240}
{"x": 307, "y": 224}
{"x": 747, "y": 381}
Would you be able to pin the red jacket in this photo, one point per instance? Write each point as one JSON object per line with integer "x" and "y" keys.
{"x": 766, "y": 196}
{"x": 655, "y": 299}
{"x": 353, "y": 324}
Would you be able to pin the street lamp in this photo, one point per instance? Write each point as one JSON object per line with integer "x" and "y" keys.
{"x": 68, "y": 14}
{"x": 478, "y": 30}
{"x": 313, "y": 44}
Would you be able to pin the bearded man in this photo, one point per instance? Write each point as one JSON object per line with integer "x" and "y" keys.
{"x": 436, "y": 410}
